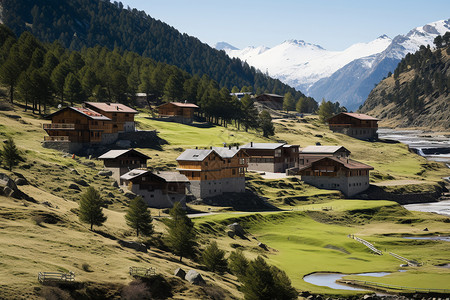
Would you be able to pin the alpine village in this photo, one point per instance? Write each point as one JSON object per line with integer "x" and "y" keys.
{"x": 137, "y": 162}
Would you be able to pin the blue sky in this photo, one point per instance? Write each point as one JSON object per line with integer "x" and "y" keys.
{"x": 333, "y": 24}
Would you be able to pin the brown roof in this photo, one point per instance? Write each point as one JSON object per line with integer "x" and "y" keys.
{"x": 358, "y": 116}
{"x": 84, "y": 111}
{"x": 347, "y": 163}
{"x": 112, "y": 107}
{"x": 180, "y": 104}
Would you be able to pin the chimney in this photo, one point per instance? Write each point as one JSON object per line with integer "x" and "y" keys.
{"x": 107, "y": 103}
{"x": 237, "y": 147}
{"x": 196, "y": 147}
{"x": 251, "y": 144}
{"x": 229, "y": 147}
{"x": 210, "y": 147}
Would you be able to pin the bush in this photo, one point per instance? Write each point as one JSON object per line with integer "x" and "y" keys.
{"x": 136, "y": 290}
{"x": 237, "y": 263}
{"x": 54, "y": 293}
{"x": 86, "y": 267}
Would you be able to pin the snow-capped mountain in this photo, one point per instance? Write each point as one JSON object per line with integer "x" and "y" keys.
{"x": 351, "y": 84}
{"x": 224, "y": 46}
{"x": 346, "y": 76}
{"x": 301, "y": 64}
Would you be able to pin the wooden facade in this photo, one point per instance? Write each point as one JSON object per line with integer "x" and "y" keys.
{"x": 271, "y": 157}
{"x": 122, "y": 161}
{"x": 312, "y": 153}
{"x": 77, "y": 125}
{"x": 214, "y": 171}
{"x": 177, "y": 111}
{"x": 122, "y": 116}
{"x": 360, "y": 126}
{"x": 270, "y": 98}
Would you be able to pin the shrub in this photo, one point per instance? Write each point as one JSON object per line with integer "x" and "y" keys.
{"x": 86, "y": 267}
{"x": 237, "y": 263}
{"x": 214, "y": 258}
{"x": 136, "y": 290}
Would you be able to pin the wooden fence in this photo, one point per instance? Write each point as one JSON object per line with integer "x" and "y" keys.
{"x": 410, "y": 263}
{"x": 47, "y": 277}
{"x": 391, "y": 287}
{"x": 142, "y": 272}
{"x": 366, "y": 243}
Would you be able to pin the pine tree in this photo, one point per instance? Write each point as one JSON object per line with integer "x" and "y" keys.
{"x": 181, "y": 231}
{"x": 265, "y": 123}
{"x": 214, "y": 258}
{"x": 237, "y": 263}
{"x": 90, "y": 208}
{"x": 72, "y": 89}
{"x": 325, "y": 110}
{"x": 10, "y": 154}
{"x": 288, "y": 102}
{"x": 138, "y": 217}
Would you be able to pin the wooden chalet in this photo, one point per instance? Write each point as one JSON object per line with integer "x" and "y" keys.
{"x": 337, "y": 173}
{"x": 271, "y": 157}
{"x": 122, "y": 116}
{"x": 214, "y": 171}
{"x": 158, "y": 189}
{"x": 359, "y": 126}
{"x": 177, "y": 112}
{"x": 270, "y": 98}
{"x": 77, "y": 125}
{"x": 122, "y": 161}
{"x": 313, "y": 153}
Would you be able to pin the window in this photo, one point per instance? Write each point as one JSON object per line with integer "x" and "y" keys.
{"x": 233, "y": 172}
{"x": 206, "y": 177}
{"x": 206, "y": 163}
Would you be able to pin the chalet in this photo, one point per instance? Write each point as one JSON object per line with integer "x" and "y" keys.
{"x": 337, "y": 173}
{"x": 158, "y": 189}
{"x": 270, "y": 98}
{"x": 214, "y": 171}
{"x": 123, "y": 161}
{"x": 177, "y": 112}
{"x": 77, "y": 125}
{"x": 359, "y": 126}
{"x": 271, "y": 157}
{"x": 313, "y": 153}
{"x": 122, "y": 116}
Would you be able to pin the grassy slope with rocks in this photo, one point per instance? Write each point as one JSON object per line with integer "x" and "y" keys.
{"x": 28, "y": 244}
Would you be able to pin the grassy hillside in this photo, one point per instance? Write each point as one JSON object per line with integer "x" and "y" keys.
{"x": 47, "y": 236}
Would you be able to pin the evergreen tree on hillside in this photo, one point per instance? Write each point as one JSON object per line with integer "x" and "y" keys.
{"x": 138, "y": 217}
{"x": 265, "y": 123}
{"x": 10, "y": 154}
{"x": 325, "y": 110}
{"x": 90, "y": 208}
{"x": 181, "y": 234}
{"x": 214, "y": 258}
{"x": 288, "y": 102}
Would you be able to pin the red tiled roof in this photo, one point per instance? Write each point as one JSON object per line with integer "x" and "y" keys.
{"x": 112, "y": 107}
{"x": 180, "y": 104}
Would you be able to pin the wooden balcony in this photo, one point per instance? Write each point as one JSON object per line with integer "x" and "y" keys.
{"x": 59, "y": 126}
{"x": 56, "y": 138}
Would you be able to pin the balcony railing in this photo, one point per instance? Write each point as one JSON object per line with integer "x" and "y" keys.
{"x": 56, "y": 126}
{"x": 56, "y": 138}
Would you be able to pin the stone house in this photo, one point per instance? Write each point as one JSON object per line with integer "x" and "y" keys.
{"x": 157, "y": 189}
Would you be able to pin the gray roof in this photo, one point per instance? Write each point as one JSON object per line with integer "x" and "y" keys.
{"x": 133, "y": 174}
{"x": 165, "y": 175}
{"x": 225, "y": 152}
{"x": 322, "y": 149}
{"x": 111, "y": 154}
{"x": 194, "y": 154}
{"x": 269, "y": 146}
{"x": 171, "y": 176}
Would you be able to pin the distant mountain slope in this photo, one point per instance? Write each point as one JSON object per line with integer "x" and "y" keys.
{"x": 352, "y": 84}
{"x": 346, "y": 76}
{"x": 78, "y": 23}
{"x": 417, "y": 94}
{"x": 301, "y": 64}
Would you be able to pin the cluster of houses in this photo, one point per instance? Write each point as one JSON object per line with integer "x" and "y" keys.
{"x": 205, "y": 173}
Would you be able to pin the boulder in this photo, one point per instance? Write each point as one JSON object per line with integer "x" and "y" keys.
{"x": 133, "y": 245}
{"x": 237, "y": 230}
{"x": 194, "y": 277}
{"x": 81, "y": 182}
{"x": 180, "y": 273}
{"x": 262, "y": 246}
{"x": 230, "y": 233}
{"x": 21, "y": 181}
{"x": 105, "y": 173}
{"x": 6, "y": 181}
{"x": 74, "y": 186}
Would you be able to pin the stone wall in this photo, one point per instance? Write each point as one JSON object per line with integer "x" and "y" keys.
{"x": 157, "y": 199}
{"x": 266, "y": 167}
{"x": 350, "y": 186}
{"x": 210, "y": 188}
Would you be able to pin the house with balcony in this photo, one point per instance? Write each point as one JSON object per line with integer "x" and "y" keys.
{"x": 214, "y": 171}
{"x": 337, "y": 173}
{"x": 359, "y": 126}
{"x": 177, "y": 112}
{"x": 122, "y": 116}
{"x": 158, "y": 189}
{"x": 271, "y": 157}
{"x": 120, "y": 162}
